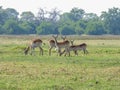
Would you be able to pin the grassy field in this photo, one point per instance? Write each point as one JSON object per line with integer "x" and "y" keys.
{"x": 99, "y": 70}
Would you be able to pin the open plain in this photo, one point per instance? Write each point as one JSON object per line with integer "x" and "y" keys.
{"x": 98, "y": 70}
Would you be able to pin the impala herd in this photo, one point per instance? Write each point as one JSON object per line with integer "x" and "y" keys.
{"x": 66, "y": 45}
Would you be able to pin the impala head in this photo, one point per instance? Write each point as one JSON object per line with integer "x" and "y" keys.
{"x": 63, "y": 38}
{"x": 55, "y": 37}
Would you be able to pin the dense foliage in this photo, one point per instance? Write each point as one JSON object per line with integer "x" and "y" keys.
{"x": 77, "y": 21}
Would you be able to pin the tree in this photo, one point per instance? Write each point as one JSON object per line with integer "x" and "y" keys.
{"x": 80, "y": 26}
{"x": 54, "y": 15}
{"x": 27, "y": 17}
{"x": 1, "y": 29}
{"x": 95, "y": 28}
{"x": 3, "y": 16}
{"x": 45, "y": 28}
{"x": 41, "y": 16}
{"x": 28, "y": 22}
{"x": 90, "y": 16}
{"x": 12, "y": 13}
{"x": 67, "y": 28}
{"x": 28, "y": 28}
{"x": 76, "y": 14}
{"x": 11, "y": 27}
{"x": 112, "y": 20}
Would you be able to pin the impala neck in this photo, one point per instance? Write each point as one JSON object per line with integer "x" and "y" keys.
{"x": 26, "y": 50}
{"x": 56, "y": 43}
{"x": 55, "y": 38}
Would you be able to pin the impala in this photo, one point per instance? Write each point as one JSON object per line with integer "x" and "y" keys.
{"x": 74, "y": 48}
{"x": 64, "y": 44}
{"x": 75, "y": 51}
{"x": 52, "y": 44}
{"x": 34, "y": 44}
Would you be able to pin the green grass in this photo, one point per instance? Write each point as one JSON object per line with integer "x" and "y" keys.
{"x": 99, "y": 70}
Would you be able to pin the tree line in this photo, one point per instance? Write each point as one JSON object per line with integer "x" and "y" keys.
{"x": 77, "y": 21}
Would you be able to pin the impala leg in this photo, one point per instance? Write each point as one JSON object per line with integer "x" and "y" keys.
{"x": 41, "y": 50}
{"x": 50, "y": 51}
{"x": 62, "y": 53}
{"x": 86, "y": 51}
{"x": 59, "y": 51}
{"x": 32, "y": 51}
{"x": 67, "y": 51}
{"x": 76, "y": 53}
{"x": 26, "y": 50}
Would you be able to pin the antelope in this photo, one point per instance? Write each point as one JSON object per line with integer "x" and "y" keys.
{"x": 52, "y": 44}
{"x": 71, "y": 41}
{"x": 63, "y": 44}
{"x": 74, "y": 48}
{"x": 34, "y": 44}
{"x": 75, "y": 51}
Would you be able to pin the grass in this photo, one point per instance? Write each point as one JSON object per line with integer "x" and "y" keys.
{"x": 99, "y": 70}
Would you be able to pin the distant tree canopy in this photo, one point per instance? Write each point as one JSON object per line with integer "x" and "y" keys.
{"x": 77, "y": 21}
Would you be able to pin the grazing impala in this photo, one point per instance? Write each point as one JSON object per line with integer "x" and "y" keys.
{"x": 64, "y": 44}
{"x": 74, "y": 48}
{"x": 35, "y": 43}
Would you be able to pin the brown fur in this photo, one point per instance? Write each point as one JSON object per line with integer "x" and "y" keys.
{"x": 35, "y": 43}
{"x": 74, "y": 48}
{"x": 52, "y": 44}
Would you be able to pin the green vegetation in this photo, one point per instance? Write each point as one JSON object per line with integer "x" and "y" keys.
{"x": 99, "y": 70}
{"x": 77, "y": 21}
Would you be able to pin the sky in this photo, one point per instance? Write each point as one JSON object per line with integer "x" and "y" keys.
{"x": 89, "y": 6}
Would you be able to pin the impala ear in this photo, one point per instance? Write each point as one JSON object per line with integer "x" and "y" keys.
{"x": 26, "y": 50}
{"x": 72, "y": 42}
{"x": 55, "y": 36}
{"x": 63, "y": 37}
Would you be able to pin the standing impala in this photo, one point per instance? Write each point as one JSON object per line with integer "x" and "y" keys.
{"x": 52, "y": 44}
{"x": 75, "y": 48}
{"x": 35, "y": 43}
{"x": 59, "y": 45}
{"x": 75, "y": 51}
